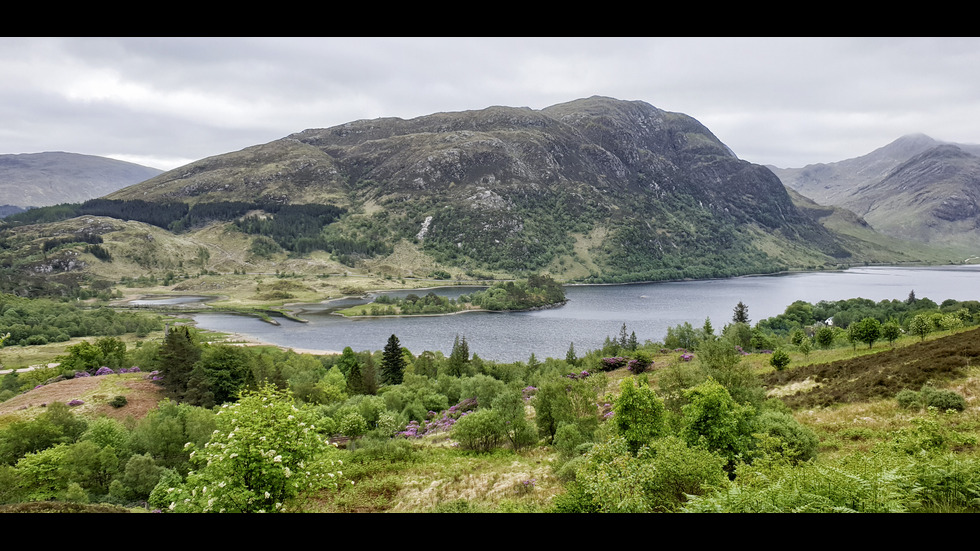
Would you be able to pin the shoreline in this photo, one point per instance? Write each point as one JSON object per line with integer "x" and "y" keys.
{"x": 239, "y": 339}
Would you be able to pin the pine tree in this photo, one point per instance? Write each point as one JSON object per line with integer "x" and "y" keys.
{"x": 392, "y": 362}
{"x": 369, "y": 374}
{"x": 458, "y": 357}
{"x": 177, "y": 357}
{"x": 741, "y": 313}
{"x": 570, "y": 355}
{"x": 355, "y": 380}
{"x": 622, "y": 337}
{"x": 632, "y": 344}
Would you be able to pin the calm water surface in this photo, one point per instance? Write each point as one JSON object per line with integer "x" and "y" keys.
{"x": 597, "y": 311}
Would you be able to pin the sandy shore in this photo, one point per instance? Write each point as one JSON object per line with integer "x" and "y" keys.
{"x": 237, "y": 339}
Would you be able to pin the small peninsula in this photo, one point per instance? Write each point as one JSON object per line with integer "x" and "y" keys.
{"x": 538, "y": 291}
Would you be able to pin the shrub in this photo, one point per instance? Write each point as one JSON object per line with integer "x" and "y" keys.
{"x": 264, "y": 452}
{"x": 567, "y": 440}
{"x": 779, "y": 360}
{"x": 930, "y": 397}
{"x": 658, "y": 479}
{"x": 714, "y": 421}
{"x": 796, "y": 442}
{"x": 479, "y": 431}
{"x": 639, "y": 414}
{"x": 908, "y": 399}
{"x": 118, "y": 401}
{"x": 945, "y": 400}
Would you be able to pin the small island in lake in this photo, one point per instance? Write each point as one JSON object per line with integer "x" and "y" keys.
{"x": 539, "y": 291}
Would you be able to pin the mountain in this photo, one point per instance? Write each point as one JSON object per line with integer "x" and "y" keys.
{"x": 42, "y": 179}
{"x": 915, "y": 188}
{"x": 593, "y": 189}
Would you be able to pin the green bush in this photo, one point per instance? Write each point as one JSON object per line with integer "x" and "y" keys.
{"x": 779, "y": 360}
{"x": 930, "y": 397}
{"x": 945, "y": 400}
{"x": 908, "y": 399}
{"x": 480, "y": 431}
{"x": 660, "y": 478}
{"x": 796, "y": 442}
{"x": 639, "y": 414}
{"x": 567, "y": 440}
{"x": 118, "y": 401}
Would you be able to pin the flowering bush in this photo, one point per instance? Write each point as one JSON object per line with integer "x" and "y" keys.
{"x": 526, "y": 486}
{"x": 687, "y": 357}
{"x": 638, "y": 366}
{"x": 75, "y": 402}
{"x": 82, "y": 374}
{"x": 528, "y": 392}
{"x": 615, "y": 362}
{"x": 439, "y": 422}
{"x": 104, "y": 371}
{"x": 264, "y": 452}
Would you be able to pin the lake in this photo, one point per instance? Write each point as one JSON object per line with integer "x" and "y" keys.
{"x": 594, "y": 312}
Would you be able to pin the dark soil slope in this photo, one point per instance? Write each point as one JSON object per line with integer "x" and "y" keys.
{"x": 882, "y": 374}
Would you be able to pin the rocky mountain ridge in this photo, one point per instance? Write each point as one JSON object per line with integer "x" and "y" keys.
{"x": 595, "y": 190}
{"x": 605, "y": 185}
{"x": 915, "y": 188}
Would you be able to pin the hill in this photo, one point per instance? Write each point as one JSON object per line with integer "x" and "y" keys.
{"x": 882, "y": 374}
{"x": 595, "y": 189}
{"x": 42, "y": 179}
{"x": 592, "y": 190}
{"x": 915, "y": 188}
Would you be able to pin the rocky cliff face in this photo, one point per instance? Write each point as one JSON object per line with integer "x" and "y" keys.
{"x": 933, "y": 197}
{"x": 915, "y": 188}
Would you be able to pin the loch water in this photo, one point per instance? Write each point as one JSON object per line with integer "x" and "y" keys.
{"x": 594, "y": 312}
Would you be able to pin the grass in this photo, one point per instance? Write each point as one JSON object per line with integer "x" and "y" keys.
{"x": 96, "y": 393}
{"x": 438, "y": 478}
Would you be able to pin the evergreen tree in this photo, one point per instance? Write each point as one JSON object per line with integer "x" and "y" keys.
{"x": 350, "y": 366}
{"x": 392, "y": 362}
{"x": 369, "y": 374}
{"x": 741, "y": 313}
{"x": 177, "y": 357}
{"x": 458, "y": 357}
{"x": 708, "y": 329}
{"x": 355, "y": 381}
{"x": 570, "y": 355}
{"x": 623, "y": 340}
{"x": 632, "y": 344}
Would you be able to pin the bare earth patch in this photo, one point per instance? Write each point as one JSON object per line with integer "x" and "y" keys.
{"x": 142, "y": 395}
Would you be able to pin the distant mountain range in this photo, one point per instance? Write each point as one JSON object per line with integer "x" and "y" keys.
{"x": 915, "y": 188}
{"x": 592, "y": 190}
{"x": 51, "y": 178}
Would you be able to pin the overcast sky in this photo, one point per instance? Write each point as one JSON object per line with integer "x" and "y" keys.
{"x": 789, "y": 102}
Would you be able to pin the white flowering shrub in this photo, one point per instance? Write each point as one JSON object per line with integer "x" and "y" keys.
{"x": 264, "y": 452}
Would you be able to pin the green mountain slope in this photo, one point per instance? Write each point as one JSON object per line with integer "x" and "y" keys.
{"x": 593, "y": 190}
{"x": 598, "y": 189}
